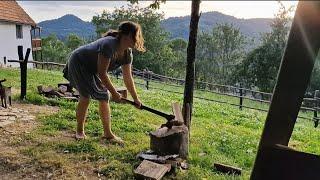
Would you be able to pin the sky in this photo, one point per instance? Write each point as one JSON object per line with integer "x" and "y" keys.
{"x": 46, "y": 10}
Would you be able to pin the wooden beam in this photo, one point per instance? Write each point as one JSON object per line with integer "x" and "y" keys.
{"x": 294, "y": 75}
{"x": 281, "y": 162}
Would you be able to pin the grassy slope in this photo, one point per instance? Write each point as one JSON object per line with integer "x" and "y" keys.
{"x": 219, "y": 133}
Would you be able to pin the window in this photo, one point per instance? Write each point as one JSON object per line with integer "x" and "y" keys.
{"x": 19, "y": 31}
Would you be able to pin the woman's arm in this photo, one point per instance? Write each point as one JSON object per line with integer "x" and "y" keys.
{"x": 103, "y": 65}
{"x": 128, "y": 81}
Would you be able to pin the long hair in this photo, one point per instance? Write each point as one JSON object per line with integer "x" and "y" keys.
{"x": 129, "y": 28}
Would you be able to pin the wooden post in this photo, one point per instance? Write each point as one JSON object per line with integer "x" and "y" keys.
{"x": 315, "y": 112}
{"x": 190, "y": 69}
{"x": 23, "y": 70}
{"x": 241, "y": 97}
{"x": 293, "y": 78}
{"x": 146, "y": 79}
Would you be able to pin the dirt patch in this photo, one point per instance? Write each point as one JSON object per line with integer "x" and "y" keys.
{"x": 23, "y": 154}
{"x": 23, "y": 120}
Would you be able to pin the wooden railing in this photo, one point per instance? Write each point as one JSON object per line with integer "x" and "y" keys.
{"x": 309, "y": 104}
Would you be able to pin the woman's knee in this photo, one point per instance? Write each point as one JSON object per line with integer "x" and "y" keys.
{"x": 84, "y": 100}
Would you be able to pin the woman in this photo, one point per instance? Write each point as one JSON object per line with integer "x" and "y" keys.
{"x": 87, "y": 72}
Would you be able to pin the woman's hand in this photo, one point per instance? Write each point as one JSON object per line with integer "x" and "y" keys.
{"x": 117, "y": 97}
{"x": 137, "y": 103}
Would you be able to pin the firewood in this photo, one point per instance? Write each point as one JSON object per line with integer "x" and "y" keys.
{"x": 68, "y": 94}
{"x": 151, "y": 170}
{"x": 69, "y": 87}
{"x": 63, "y": 89}
{"x": 76, "y": 93}
{"x": 177, "y": 111}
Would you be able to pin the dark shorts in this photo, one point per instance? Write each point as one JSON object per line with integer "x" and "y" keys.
{"x": 87, "y": 83}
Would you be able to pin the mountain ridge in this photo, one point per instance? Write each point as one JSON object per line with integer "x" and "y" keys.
{"x": 178, "y": 27}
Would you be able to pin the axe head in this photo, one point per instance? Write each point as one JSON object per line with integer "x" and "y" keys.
{"x": 171, "y": 123}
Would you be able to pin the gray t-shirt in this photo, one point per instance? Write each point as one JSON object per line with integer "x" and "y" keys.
{"x": 88, "y": 54}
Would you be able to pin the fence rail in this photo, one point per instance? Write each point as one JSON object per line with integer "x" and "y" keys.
{"x": 218, "y": 89}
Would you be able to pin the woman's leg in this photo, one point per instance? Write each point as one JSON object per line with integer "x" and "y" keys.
{"x": 81, "y": 114}
{"x": 104, "y": 110}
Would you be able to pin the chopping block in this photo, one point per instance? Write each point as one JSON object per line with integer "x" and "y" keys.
{"x": 173, "y": 140}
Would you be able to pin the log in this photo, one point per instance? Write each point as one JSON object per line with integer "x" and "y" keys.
{"x": 69, "y": 87}
{"x": 151, "y": 170}
{"x": 227, "y": 169}
{"x": 68, "y": 94}
{"x": 43, "y": 90}
{"x": 165, "y": 141}
{"x": 63, "y": 89}
{"x": 76, "y": 93}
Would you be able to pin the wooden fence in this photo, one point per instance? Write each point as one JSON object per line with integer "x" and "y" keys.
{"x": 308, "y": 105}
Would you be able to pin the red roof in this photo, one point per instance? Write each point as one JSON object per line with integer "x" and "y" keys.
{"x": 10, "y": 11}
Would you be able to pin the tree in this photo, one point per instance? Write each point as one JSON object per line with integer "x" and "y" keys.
{"x": 74, "y": 41}
{"x": 260, "y": 67}
{"x": 176, "y": 65}
{"x": 54, "y": 50}
{"x": 219, "y": 52}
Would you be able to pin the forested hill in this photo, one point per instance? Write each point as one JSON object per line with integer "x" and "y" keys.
{"x": 177, "y": 26}
{"x": 67, "y": 24}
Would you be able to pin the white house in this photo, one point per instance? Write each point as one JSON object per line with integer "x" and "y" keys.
{"x": 15, "y": 30}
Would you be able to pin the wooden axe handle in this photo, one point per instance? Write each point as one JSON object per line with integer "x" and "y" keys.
{"x": 169, "y": 117}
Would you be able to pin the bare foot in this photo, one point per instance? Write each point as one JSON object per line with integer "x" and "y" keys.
{"x": 113, "y": 140}
{"x": 80, "y": 136}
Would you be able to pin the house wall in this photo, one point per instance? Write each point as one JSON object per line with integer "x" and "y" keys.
{"x": 9, "y": 43}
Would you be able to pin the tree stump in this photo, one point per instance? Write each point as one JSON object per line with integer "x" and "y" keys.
{"x": 165, "y": 141}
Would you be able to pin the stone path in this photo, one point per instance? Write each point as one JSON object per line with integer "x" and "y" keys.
{"x": 20, "y": 112}
{"x": 11, "y": 114}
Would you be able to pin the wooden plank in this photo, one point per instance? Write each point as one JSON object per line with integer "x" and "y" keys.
{"x": 151, "y": 170}
{"x": 177, "y": 111}
{"x": 281, "y": 162}
{"x": 227, "y": 169}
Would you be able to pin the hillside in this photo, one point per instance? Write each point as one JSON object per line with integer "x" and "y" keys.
{"x": 65, "y": 25}
{"x": 177, "y": 26}
{"x": 219, "y": 133}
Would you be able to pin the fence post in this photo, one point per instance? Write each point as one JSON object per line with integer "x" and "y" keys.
{"x": 147, "y": 80}
{"x": 23, "y": 70}
{"x": 241, "y": 97}
{"x": 315, "y": 112}
{"x": 5, "y": 60}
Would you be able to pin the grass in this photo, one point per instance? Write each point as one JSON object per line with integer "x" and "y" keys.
{"x": 219, "y": 133}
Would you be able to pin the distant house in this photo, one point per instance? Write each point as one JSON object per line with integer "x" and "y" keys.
{"x": 16, "y": 29}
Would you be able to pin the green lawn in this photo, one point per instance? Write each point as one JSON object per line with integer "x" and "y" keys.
{"x": 219, "y": 132}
